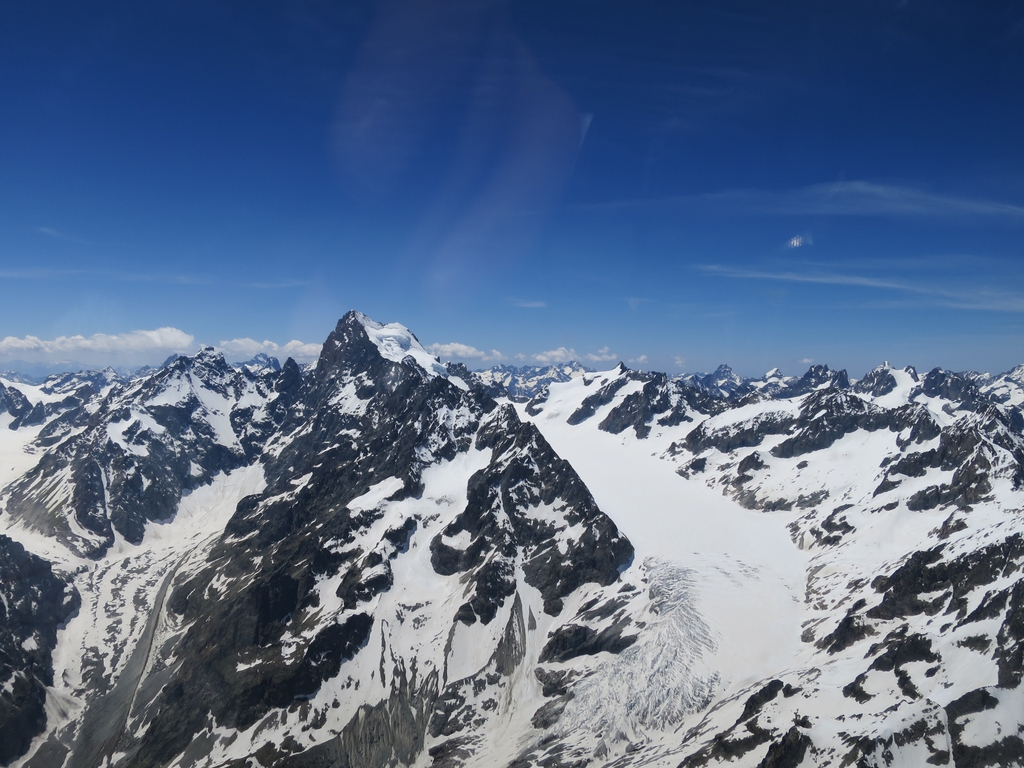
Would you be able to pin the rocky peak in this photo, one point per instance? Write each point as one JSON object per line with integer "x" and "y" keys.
{"x": 374, "y": 564}
{"x": 819, "y": 376}
{"x": 207, "y": 365}
{"x": 261, "y": 363}
{"x": 958, "y": 389}
{"x": 1006, "y": 388}
{"x": 13, "y": 402}
{"x": 723, "y": 383}
{"x": 877, "y": 382}
{"x": 524, "y": 383}
{"x": 361, "y": 345}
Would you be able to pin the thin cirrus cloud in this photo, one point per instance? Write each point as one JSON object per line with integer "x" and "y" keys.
{"x": 841, "y": 198}
{"x": 527, "y": 304}
{"x": 51, "y": 232}
{"x": 103, "y": 274}
{"x": 988, "y": 300}
{"x": 280, "y": 284}
{"x": 143, "y": 277}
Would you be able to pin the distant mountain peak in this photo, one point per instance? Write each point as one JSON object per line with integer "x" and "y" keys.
{"x": 377, "y": 562}
{"x": 261, "y": 362}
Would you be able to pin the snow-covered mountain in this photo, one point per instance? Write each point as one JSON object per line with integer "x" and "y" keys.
{"x": 384, "y": 560}
{"x": 528, "y": 381}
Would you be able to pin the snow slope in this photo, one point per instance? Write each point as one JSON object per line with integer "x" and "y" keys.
{"x": 384, "y": 561}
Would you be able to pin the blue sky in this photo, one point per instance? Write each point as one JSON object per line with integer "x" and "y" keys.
{"x": 678, "y": 184}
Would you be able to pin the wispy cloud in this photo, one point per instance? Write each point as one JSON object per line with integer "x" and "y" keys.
{"x": 143, "y": 277}
{"x": 122, "y": 276}
{"x": 39, "y": 274}
{"x": 100, "y": 347}
{"x": 800, "y": 277}
{"x": 51, "y": 232}
{"x": 527, "y": 304}
{"x": 841, "y": 198}
{"x": 981, "y": 299}
{"x": 456, "y": 351}
{"x": 246, "y": 349}
{"x": 104, "y": 274}
{"x": 280, "y": 284}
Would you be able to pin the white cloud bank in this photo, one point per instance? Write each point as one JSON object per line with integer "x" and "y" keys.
{"x": 240, "y": 350}
{"x": 564, "y": 355}
{"x": 153, "y": 347}
{"x": 129, "y": 348}
{"x": 456, "y": 351}
{"x": 139, "y": 348}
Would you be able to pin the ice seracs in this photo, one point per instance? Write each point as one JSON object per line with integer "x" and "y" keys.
{"x": 380, "y": 560}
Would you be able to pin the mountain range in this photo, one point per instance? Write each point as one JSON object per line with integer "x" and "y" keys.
{"x": 387, "y": 560}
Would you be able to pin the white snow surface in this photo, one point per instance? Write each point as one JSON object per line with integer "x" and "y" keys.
{"x": 731, "y": 597}
{"x": 765, "y": 587}
{"x": 118, "y": 592}
{"x": 747, "y": 575}
{"x": 396, "y": 342}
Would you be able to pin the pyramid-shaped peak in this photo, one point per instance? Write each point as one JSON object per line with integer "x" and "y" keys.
{"x": 391, "y": 341}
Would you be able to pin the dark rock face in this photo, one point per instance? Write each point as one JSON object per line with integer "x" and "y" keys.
{"x": 722, "y": 384}
{"x": 930, "y": 584}
{"x": 34, "y": 602}
{"x": 603, "y": 396}
{"x": 421, "y": 557}
{"x": 663, "y": 402}
{"x": 877, "y": 382}
{"x": 398, "y": 421}
{"x": 817, "y": 376}
{"x": 524, "y": 473}
{"x": 522, "y": 384}
{"x": 788, "y": 752}
{"x": 973, "y": 449}
{"x": 744, "y": 435}
{"x": 927, "y": 572}
{"x": 572, "y": 640}
{"x": 827, "y": 415}
{"x": 148, "y": 443}
{"x": 953, "y": 387}
{"x": 1007, "y": 751}
{"x": 13, "y": 402}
